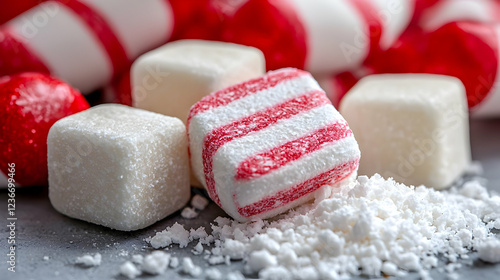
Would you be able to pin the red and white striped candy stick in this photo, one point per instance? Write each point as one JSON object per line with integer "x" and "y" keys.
{"x": 321, "y": 36}
{"x": 84, "y": 42}
{"x": 421, "y": 6}
{"x": 474, "y": 58}
{"x": 445, "y": 11}
{"x": 467, "y": 50}
{"x": 393, "y": 16}
{"x": 11, "y": 9}
{"x": 266, "y": 145}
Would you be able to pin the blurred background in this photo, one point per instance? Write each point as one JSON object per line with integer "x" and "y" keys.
{"x": 91, "y": 44}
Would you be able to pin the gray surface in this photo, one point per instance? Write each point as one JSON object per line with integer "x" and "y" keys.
{"x": 43, "y": 232}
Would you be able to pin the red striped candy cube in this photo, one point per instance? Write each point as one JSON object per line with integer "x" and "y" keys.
{"x": 266, "y": 145}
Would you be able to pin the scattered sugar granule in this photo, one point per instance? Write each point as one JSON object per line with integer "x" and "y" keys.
{"x": 234, "y": 249}
{"x": 372, "y": 227}
{"x": 174, "y": 262}
{"x": 198, "y": 249}
{"x": 174, "y": 234}
{"x": 213, "y": 273}
{"x": 88, "y": 260}
{"x": 489, "y": 251}
{"x": 213, "y": 260}
{"x": 390, "y": 269}
{"x": 261, "y": 259}
{"x": 201, "y": 235}
{"x": 129, "y": 270}
{"x": 235, "y": 275}
{"x": 46, "y": 258}
{"x": 137, "y": 259}
{"x": 189, "y": 213}
{"x": 189, "y": 268}
{"x": 475, "y": 168}
{"x": 123, "y": 253}
{"x": 199, "y": 202}
{"x": 156, "y": 262}
{"x": 275, "y": 273}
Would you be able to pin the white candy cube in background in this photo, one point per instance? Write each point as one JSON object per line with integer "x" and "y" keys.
{"x": 412, "y": 127}
{"x": 170, "y": 79}
{"x": 266, "y": 145}
{"x": 118, "y": 166}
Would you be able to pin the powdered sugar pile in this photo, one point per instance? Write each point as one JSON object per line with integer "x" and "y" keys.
{"x": 371, "y": 227}
{"x": 199, "y": 203}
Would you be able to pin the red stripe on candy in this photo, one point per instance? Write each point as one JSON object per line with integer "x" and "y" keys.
{"x": 16, "y": 57}
{"x": 238, "y": 91}
{"x": 289, "y": 195}
{"x": 495, "y": 9}
{"x": 468, "y": 51}
{"x": 279, "y": 31}
{"x": 11, "y": 9}
{"x": 266, "y": 162}
{"x": 103, "y": 32}
{"x": 369, "y": 14}
{"x": 253, "y": 123}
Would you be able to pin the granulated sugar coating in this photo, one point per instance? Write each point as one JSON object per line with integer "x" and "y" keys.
{"x": 372, "y": 227}
{"x": 118, "y": 166}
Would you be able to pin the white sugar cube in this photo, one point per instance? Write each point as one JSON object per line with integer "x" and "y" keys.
{"x": 118, "y": 166}
{"x": 412, "y": 127}
{"x": 170, "y": 79}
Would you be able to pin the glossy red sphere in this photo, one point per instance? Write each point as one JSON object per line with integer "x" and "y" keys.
{"x": 30, "y": 103}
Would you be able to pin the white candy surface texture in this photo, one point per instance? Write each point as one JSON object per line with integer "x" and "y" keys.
{"x": 118, "y": 166}
{"x": 412, "y": 127}
{"x": 266, "y": 145}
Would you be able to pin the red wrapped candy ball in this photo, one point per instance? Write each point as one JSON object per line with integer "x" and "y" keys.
{"x": 273, "y": 27}
{"x": 468, "y": 51}
{"x": 30, "y": 103}
{"x": 198, "y": 19}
